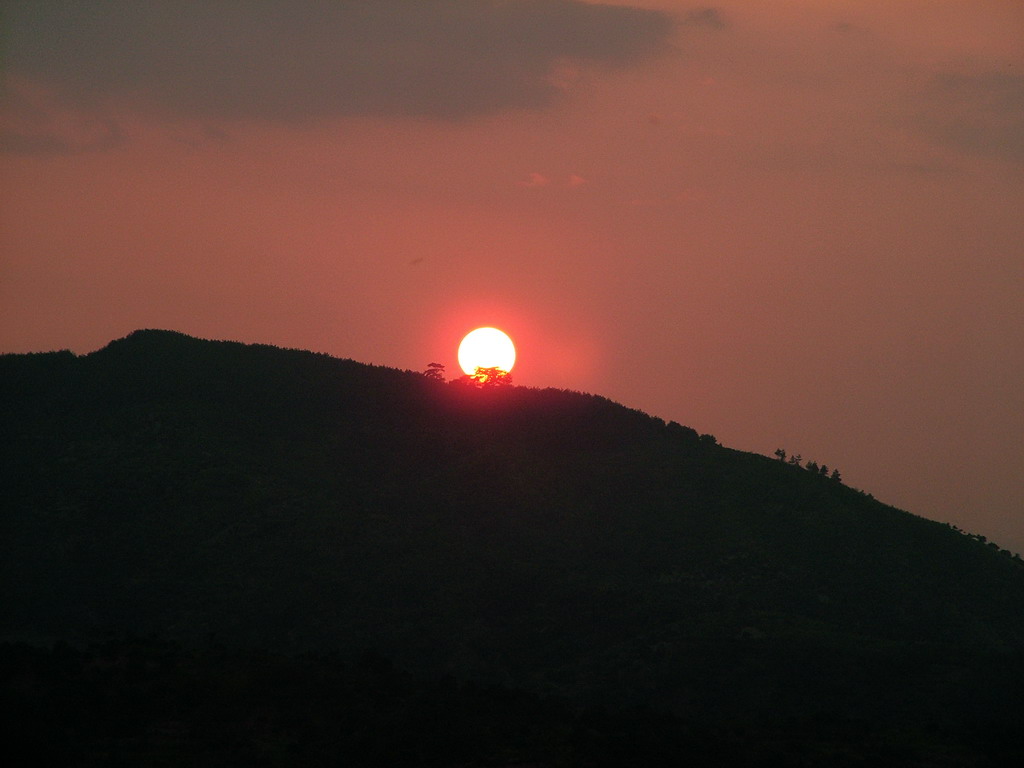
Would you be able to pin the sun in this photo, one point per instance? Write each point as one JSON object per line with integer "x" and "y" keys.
{"x": 486, "y": 348}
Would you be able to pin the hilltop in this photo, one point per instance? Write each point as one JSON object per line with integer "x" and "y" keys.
{"x": 545, "y": 541}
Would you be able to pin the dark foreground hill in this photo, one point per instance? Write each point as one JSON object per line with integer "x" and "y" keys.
{"x": 234, "y": 502}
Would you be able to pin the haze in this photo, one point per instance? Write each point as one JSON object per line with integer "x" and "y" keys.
{"x": 790, "y": 224}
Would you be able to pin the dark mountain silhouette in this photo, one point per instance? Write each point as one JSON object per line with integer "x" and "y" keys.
{"x": 556, "y": 550}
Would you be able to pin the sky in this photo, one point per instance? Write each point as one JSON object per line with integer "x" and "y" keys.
{"x": 794, "y": 224}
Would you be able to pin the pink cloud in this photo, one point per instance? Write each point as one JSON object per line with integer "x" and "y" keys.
{"x": 535, "y": 180}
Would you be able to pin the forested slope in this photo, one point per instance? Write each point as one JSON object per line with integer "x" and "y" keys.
{"x": 542, "y": 540}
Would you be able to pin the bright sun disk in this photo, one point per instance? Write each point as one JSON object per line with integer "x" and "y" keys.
{"x": 486, "y": 348}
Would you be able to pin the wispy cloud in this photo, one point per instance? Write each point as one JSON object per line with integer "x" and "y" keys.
{"x": 32, "y": 123}
{"x": 708, "y": 18}
{"x": 978, "y": 112}
{"x": 307, "y": 59}
{"x": 535, "y": 180}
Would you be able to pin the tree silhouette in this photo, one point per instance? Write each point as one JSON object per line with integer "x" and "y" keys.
{"x": 491, "y": 377}
{"x": 435, "y": 371}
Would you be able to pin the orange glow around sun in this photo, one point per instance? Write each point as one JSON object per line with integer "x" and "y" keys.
{"x": 486, "y": 348}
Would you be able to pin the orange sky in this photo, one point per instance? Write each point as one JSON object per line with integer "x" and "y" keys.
{"x": 792, "y": 224}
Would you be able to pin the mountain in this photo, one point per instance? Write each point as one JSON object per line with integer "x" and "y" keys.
{"x": 552, "y": 543}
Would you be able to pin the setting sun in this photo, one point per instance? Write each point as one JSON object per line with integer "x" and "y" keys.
{"x": 486, "y": 348}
